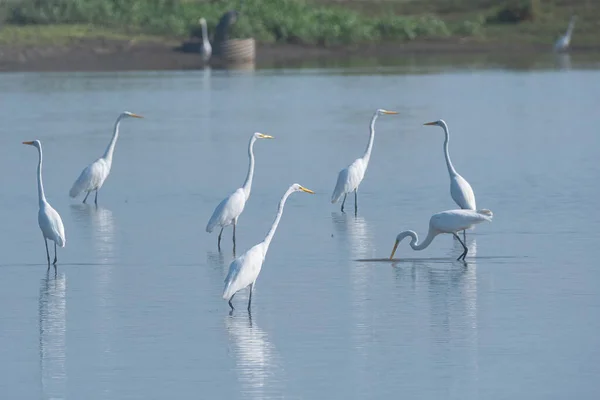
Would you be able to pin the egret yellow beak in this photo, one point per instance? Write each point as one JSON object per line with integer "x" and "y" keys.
{"x": 135, "y": 115}
{"x": 29, "y": 143}
{"x": 394, "y": 249}
{"x": 389, "y": 112}
{"x": 431, "y": 123}
{"x": 306, "y": 190}
{"x": 265, "y": 136}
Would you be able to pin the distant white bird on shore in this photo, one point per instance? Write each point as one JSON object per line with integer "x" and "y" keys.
{"x": 93, "y": 176}
{"x": 351, "y": 177}
{"x": 450, "y": 221}
{"x": 229, "y": 210}
{"x": 563, "y": 42}
{"x": 49, "y": 219}
{"x": 460, "y": 190}
{"x": 244, "y": 270}
{"x": 206, "y": 47}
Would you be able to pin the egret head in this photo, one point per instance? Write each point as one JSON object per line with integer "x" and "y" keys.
{"x": 300, "y": 188}
{"x": 35, "y": 143}
{"x": 440, "y": 123}
{"x": 381, "y": 111}
{"x": 398, "y": 239}
{"x": 202, "y": 21}
{"x": 130, "y": 114}
{"x": 258, "y": 135}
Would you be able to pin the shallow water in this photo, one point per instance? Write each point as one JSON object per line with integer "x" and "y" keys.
{"x": 135, "y": 310}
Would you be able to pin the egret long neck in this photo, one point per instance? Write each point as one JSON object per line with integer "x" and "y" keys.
{"x": 204, "y": 33}
{"x": 451, "y": 169}
{"x": 415, "y": 239}
{"x": 570, "y": 28}
{"x": 41, "y": 195}
{"x": 108, "y": 154}
{"x": 269, "y": 236}
{"x": 367, "y": 155}
{"x": 247, "y": 187}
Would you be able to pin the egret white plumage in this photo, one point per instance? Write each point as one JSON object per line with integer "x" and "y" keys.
{"x": 460, "y": 190}
{"x": 93, "y": 176}
{"x": 350, "y": 178}
{"x": 450, "y": 221}
{"x": 563, "y": 42}
{"x": 244, "y": 270}
{"x": 229, "y": 210}
{"x": 49, "y": 220}
{"x": 206, "y": 47}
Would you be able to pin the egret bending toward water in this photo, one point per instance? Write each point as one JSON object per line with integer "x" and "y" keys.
{"x": 229, "y": 210}
{"x": 93, "y": 176}
{"x": 350, "y": 178}
{"x": 451, "y": 221}
{"x": 49, "y": 220}
{"x": 562, "y": 44}
{"x": 244, "y": 270}
{"x": 206, "y": 47}
{"x": 460, "y": 190}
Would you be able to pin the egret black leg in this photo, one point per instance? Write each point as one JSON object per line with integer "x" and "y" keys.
{"x": 55, "y": 258}
{"x": 344, "y": 201}
{"x": 355, "y": 203}
{"x": 250, "y": 298}
{"x": 47, "y": 253}
{"x": 86, "y": 196}
{"x": 96, "y": 198}
{"x": 465, "y": 235}
{"x": 234, "y": 223}
{"x": 231, "y": 305}
{"x": 464, "y": 254}
{"x": 219, "y": 240}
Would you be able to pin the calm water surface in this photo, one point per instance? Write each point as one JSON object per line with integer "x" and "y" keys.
{"x": 135, "y": 310}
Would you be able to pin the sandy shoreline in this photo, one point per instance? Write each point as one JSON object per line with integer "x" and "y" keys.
{"x": 111, "y": 55}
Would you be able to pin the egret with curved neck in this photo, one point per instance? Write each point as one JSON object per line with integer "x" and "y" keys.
{"x": 450, "y": 221}
{"x": 94, "y": 175}
{"x": 460, "y": 190}
{"x": 49, "y": 220}
{"x": 229, "y": 210}
{"x": 206, "y": 47}
{"x": 351, "y": 177}
{"x": 244, "y": 270}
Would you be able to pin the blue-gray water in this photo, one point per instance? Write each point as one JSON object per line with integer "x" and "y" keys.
{"x": 135, "y": 311}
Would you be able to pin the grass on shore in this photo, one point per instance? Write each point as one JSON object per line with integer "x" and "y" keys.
{"x": 315, "y": 22}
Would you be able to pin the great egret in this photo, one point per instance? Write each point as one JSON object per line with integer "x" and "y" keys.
{"x": 350, "y": 178}
{"x": 562, "y": 44}
{"x": 93, "y": 176}
{"x": 460, "y": 190}
{"x": 229, "y": 210}
{"x": 49, "y": 220}
{"x": 450, "y": 221}
{"x": 206, "y": 47}
{"x": 244, "y": 270}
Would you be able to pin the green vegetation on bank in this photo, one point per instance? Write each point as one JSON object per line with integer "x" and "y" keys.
{"x": 315, "y": 22}
{"x": 294, "y": 21}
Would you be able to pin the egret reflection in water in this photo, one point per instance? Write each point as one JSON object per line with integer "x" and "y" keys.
{"x": 257, "y": 363}
{"x": 53, "y": 327}
{"x": 99, "y": 223}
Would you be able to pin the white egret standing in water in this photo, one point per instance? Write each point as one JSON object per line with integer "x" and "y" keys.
{"x": 563, "y": 42}
{"x": 49, "y": 220}
{"x": 350, "y": 178}
{"x": 244, "y": 270}
{"x": 450, "y": 221}
{"x": 229, "y": 210}
{"x": 460, "y": 190}
{"x": 206, "y": 47}
{"x": 93, "y": 176}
